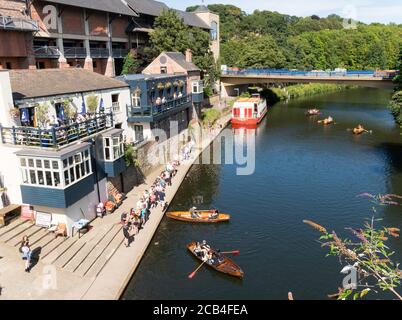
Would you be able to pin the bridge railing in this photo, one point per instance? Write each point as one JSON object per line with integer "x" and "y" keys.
{"x": 296, "y": 73}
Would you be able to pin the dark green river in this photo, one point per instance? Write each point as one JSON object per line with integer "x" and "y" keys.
{"x": 303, "y": 171}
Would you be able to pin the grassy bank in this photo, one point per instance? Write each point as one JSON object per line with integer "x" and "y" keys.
{"x": 274, "y": 95}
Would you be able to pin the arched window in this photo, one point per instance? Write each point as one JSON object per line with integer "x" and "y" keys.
{"x": 214, "y": 31}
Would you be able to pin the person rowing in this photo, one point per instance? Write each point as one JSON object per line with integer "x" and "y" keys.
{"x": 213, "y": 214}
{"x": 327, "y": 121}
{"x": 194, "y": 213}
{"x": 359, "y": 130}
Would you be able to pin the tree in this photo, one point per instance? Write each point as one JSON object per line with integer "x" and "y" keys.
{"x": 131, "y": 64}
{"x": 92, "y": 103}
{"x": 169, "y": 34}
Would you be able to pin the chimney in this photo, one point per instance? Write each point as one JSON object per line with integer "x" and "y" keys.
{"x": 189, "y": 55}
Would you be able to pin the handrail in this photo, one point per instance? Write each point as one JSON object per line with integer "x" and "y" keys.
{"x": 158, "y": 109}
{"x": 55, "y": 137}
{"x": 324, "y": 74}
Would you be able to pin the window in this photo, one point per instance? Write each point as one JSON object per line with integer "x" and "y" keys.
{"x": 56, "y": 173}
{"x": 198, "y": 87}
{"x": 113, "y": 147}
{"x": 163, "y": 69}
{"x": 8, "y": 65}
{"x": 214, "y": 31}
{"x": 136, "y": 100}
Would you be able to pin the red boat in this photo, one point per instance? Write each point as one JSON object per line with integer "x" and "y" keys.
{"x": 249, "y": 111}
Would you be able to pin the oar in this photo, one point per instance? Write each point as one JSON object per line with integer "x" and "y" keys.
{"x": 191, "y": 275}
{"x": 231, "y": 252}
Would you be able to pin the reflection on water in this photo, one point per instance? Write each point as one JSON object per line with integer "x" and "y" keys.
{"x": 303, "y": 171}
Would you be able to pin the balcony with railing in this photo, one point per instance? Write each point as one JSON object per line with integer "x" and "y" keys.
{"x": 46, "y": 52}
{"x": 18, "y": 24}
{"x": 56, "y": 137}
{"x": 120, "y": 53}
{"x": 100, "y": 53}
{"x": 75, "y": 52}
{"x": 155, "y": 112}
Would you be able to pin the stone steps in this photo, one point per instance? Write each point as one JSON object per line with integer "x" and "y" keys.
{"x": 56, "y": 248}
{"x": 99, "y": 251}
{"x": 47, "y": 243}
{"x": 106, "y": 255}
{"x": 69, "y": 254}
{"x": 82, "y": 254}
{"x": 29, "y": 232}
{"x": 17, "y": 231}
{"x": 11, "y": 226}
{"x": 38, "y": 236}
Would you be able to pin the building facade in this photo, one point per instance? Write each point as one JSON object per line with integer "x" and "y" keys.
{"x": 93, "y": 34}
{"x": 52, "y": 160}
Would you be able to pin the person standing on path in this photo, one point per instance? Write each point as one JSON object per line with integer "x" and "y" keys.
{"x": 24, "y": 242}
{"x": 27, "y": 254}
{"x": 126, "y": 233}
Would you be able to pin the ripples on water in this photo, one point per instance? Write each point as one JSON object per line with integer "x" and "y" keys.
{"x": 303, "y": 171}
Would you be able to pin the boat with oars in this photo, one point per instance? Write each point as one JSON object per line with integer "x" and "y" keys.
{"x": 199, "y": 216}
{"x": 219, "y": 262}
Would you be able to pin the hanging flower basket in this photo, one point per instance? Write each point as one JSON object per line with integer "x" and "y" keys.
{"x": 181, "y": 83}
{"x": 137, "y": 91}
{"x": 168, "y": 85}
{"x": 160, "y": 86}
{"x": 15, "y": 112}
{"x": 175, "y": 84}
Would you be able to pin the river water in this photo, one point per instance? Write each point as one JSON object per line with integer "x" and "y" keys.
{"x": 303, "y": 171}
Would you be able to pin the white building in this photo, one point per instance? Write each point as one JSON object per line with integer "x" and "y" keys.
{"x": 60, "y": 169}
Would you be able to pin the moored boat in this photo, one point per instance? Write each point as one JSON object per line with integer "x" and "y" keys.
{"x": 249, "y": 111}
{"x": 224, "y": 265}
{"x": 204, "y": 216}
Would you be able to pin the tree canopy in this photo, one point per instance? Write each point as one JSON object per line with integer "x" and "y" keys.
{"x": 171, "y": 34}
{"x": 303, "y": 42}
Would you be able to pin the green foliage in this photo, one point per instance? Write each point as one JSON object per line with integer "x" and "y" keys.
{"x": 131, "y": 64}
{"x": 171, "y": 34}
{"x": 274, "y": 40}
{"x": 305, "y": 90}
{"x": 92, "y": 103}
{"x": 274, "y": 95}
{"x": 42, "y": 113}
{"x": 129, "y": 155}
{"x": 208, "y": 91}
{"x": 69, "y": 110}
{"x": 210, "y": 116}
{"x": 369, "y": 254}
{"x": 396, "y": 107}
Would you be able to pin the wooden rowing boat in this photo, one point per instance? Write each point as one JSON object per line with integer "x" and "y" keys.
{"x": 186, "y": 216}
{"x": 227, "y": 266}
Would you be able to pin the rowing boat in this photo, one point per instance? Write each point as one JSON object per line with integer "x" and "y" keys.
{"x": 227, "y": 266}
{"x": 204, "y": 216}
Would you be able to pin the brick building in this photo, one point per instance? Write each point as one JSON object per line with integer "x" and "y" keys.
{"x": 93, "y": 34}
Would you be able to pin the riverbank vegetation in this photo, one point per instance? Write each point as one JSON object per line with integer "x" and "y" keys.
{"x": 395, "y": 105}
{"x": 273, "y": 40}
{"x": 366, "y": 260}
{"x": 210, "y": 116}
{"x": 274, "y": 95}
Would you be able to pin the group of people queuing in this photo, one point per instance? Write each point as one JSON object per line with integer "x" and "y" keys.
{"x": 135, "y": 220}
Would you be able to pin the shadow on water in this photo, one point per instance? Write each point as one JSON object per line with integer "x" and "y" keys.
{"x": 393, "y": 152}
